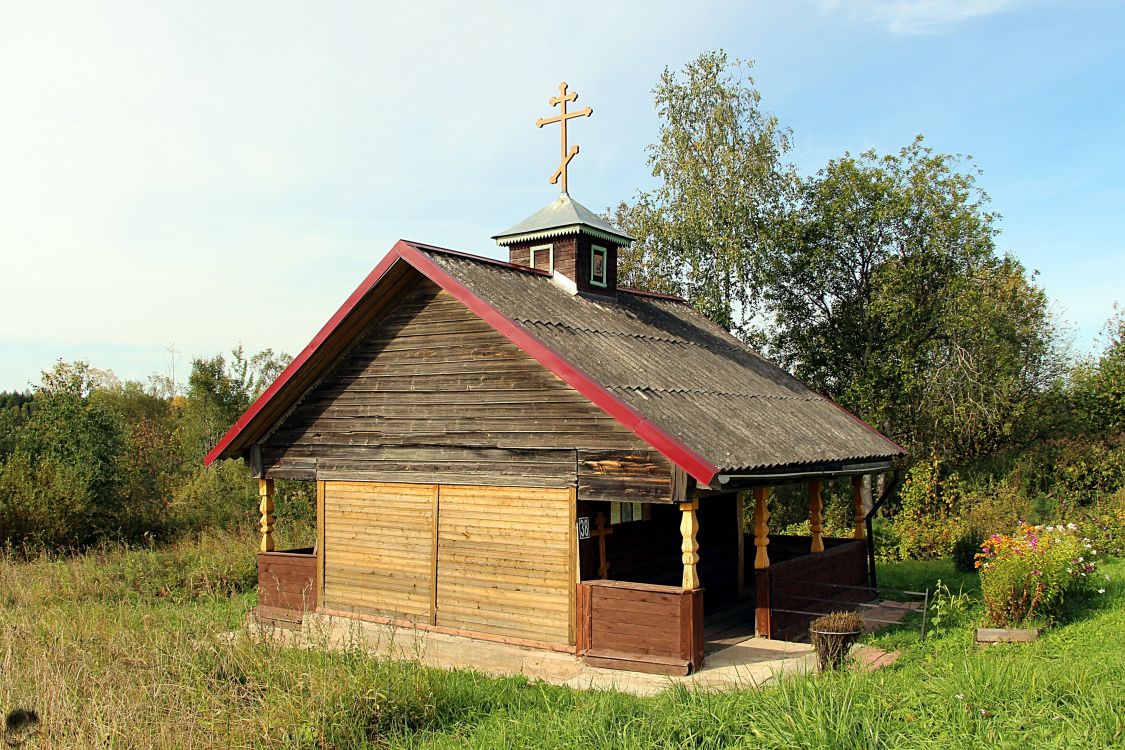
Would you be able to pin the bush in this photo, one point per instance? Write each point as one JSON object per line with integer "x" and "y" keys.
{"x": 222, "y": 495}
{"x": 926, "y": 523}
{"x": 965, "y": 550}
{"x": 1029, "y": 573}
{"x": 1104, "y": 524}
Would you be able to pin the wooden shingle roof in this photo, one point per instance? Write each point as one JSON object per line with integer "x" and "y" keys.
{"x": 708, "y": 402}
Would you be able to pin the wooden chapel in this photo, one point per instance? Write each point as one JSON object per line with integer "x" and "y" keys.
{"x": 526, "y": 451}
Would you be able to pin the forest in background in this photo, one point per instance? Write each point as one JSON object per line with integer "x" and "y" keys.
{"x": 876, "y": 280}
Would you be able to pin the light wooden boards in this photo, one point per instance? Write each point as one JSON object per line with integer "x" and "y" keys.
{"x": 377, "y": 547}
{"x": 504, "y": 561}
{"x": 494, "y": 560}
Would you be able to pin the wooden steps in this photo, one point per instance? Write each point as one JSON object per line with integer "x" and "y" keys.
{"x": 650, "y": 663}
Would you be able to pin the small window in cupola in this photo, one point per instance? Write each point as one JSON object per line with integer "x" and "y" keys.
{"x": 542, "y": 257}
{"x": 597, "y": 265}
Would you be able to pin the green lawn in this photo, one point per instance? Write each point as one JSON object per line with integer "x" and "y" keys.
{"x": 147, "y": 666}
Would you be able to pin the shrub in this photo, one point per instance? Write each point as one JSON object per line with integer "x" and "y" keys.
{"x": 221, "y": 495}
{"x": 1029, "y": 573}
{"x": 926, "y": 523}
{"x": 1104, "y": 524}
{"x": 965, "y": 550}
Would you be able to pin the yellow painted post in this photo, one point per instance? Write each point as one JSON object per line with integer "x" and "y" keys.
{"x": 761, "y": 528}
{"x": 689, "y": 529}
{"x": 816, "y": 515}
{"x": 265, "y": 508}
{"x": 857, "y": 505}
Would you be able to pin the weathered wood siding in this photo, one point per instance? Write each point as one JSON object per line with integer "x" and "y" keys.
{"x": 378, "y": 548}
{"x": 805, "y": 587}
{"x": 626, "y": 476}
{"x": 431, "y": 393}
{"x": 287, "y": 579}
{"x": 505, "y": 561}
{"x": 640, "y": 626}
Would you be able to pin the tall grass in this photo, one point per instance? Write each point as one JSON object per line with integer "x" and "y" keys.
{"x": 108, "y": 664}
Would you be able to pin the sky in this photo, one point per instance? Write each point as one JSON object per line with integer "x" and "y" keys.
{"x": 177, "y": 179}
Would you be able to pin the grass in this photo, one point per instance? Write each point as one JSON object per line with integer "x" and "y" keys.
{"x": 115, "y": 651}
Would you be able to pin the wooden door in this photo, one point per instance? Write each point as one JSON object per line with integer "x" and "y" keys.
{"x": 505, "y": 561}
{"x": 378, "y": 548}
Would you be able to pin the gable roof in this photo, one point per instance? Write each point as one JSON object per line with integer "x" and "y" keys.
{"x": 682, "y": 384}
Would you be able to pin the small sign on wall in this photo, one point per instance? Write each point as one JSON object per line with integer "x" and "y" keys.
{"x": 584, "y": 527}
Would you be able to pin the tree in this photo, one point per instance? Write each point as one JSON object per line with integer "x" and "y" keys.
{"x": 219, "y": 390}
{"x": 706, "y": 229}
{"x": 888, "y": 296}
{"x": 59, "y": 484}
{"x": 1097, "y": 388}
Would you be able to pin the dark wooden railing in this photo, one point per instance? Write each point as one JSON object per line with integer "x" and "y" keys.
{"x": 640, "y": 626}
{"x": 801, "y": 588}
{"x": 287, "y": 580}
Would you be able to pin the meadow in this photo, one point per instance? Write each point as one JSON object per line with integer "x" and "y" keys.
{"x": 132, "y": 648}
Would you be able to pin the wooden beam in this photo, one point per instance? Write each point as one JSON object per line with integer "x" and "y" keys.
{"x": 857, "y": 506}
{"x": 256, "y": 469}
{"x": 265, "y": 508}
{"x": 740, "y": 524}
{"x": 434, "y": 513}
{"x": 320, "y": 492}
{"x": 761, "y": 528}
{"x": 816, "y": 515}
{"x": 689, "y": 530}
{"x": 574, "y": 570}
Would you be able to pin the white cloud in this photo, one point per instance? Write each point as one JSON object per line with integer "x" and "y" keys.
{"x": 916, "y": 17}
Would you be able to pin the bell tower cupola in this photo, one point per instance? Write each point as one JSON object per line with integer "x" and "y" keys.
{"x": 565, "y": 238}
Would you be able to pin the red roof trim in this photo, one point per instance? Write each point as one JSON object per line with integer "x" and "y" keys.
{"x": 287, "y": 374}
{"x": 694, "y": 464}
{"x": 411, "y": 252}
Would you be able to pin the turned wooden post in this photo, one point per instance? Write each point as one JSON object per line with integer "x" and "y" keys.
{"x": 761, "y": 528}
{"x": 857, "y": 506}
{"x": 689, "y": 529}
{"x": 763, "y": 625}
{"x": 265, "y": 507}
{"x": 816, "y": 512}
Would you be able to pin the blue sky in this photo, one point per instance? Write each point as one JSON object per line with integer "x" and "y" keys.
{"x": 202, "y": 174}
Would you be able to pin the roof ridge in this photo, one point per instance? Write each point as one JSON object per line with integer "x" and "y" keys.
{"x": 646, "y": 293}
{"x": 714, "y": 392}
{"x": 478, "y": 258}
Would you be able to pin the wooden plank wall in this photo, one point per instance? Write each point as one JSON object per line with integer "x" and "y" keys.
{"x": 804, "y": 583}
{"x": 504, "y": 561}
{"x": 495, "y": 560}
{"x": 432, "y": 393}
{"x": 378, "y": 548}
{"x": 641, "y": 627}
{"x": 287, "y": 580}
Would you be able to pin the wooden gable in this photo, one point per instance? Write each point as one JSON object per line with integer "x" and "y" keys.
{"x": 429, "y": 392}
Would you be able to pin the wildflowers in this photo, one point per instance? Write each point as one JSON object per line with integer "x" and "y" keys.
{"x": 1028, "y": 573}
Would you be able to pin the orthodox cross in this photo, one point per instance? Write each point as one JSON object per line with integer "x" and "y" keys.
{"x": 601, "y": 531}
{"x": 561, "y": 118}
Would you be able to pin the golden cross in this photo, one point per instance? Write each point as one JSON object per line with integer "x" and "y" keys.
{"x": 561, "y": 118}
